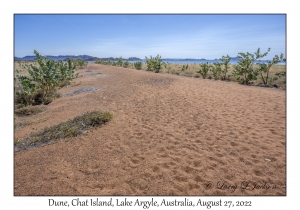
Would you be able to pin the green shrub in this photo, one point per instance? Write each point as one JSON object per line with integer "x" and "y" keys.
{"x": 45, "y": 77}
{"x": 281, "y": 74}
{"x": 216, "y": 70}
{"x": 24, "y": 90}
{"x": 99, "y": 62}
{"x": 126, "y": 64}
{"x": 264, "y": 69}
{"x": 204, "y": 69}
{"x": 109, "y": 62}
{"x": 67, "y": 71}
{"x": 138, "y": 65}
{"x": 244, "y": 71}
{"x": 79, "y": 63}
{"x": 154, "y": 64}
{"x": 120, "y": 61}
{"x": 225, "y": 62}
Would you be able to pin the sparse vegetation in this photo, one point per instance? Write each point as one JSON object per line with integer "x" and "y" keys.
{"x": 109, "y": 62}
{"x": 184, "y": 67}
{"x": 98, "y": 62}
{"x": 70, "y": 128}
{"x": 282, "y": 74}
{"x": 244, "y": 72}
{"x": 79, "y": 63}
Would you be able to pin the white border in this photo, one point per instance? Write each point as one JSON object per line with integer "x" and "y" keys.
{"x": 9, "y": 8}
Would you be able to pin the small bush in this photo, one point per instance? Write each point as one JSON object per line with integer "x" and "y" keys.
{"x": 138, "y": 65}
{"x": 24, "y": 89}
{"x": 38, "y": 97}
{"x": 154, "y": 64}
{"x": 225, "y": 62}
{"x": 70, "y": 128}
{"x": 216, "y": 70}
{"x": 120, "y": 61}
{"x": 99, "y": 62}
{"x": 244, "y": 71}
{"x": 126, "y": 64}
{"x": 46, "y": 76}
{"x": 204, "y": 69}
{"x": 109, "y": 62}
{"x": 264, "y": 69}
{"x": 79, "y": 63}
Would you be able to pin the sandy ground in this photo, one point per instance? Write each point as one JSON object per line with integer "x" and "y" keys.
{"x": 170, "y": 135}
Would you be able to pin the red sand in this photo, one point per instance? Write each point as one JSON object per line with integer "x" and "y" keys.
{"x": 170, "y": 135}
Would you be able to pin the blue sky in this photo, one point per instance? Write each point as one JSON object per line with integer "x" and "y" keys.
{"x": 171, "y": 36}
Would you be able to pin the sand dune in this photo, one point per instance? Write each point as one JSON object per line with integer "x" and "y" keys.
{"x": 170, "y": 135}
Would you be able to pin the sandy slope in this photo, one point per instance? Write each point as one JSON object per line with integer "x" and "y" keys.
{"x": 170, "y": 135}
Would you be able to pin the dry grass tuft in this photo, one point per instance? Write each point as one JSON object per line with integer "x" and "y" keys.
{"x": 71, "y": 128}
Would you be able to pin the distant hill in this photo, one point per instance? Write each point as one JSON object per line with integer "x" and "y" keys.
{"x": 116, "y": 59}
{"x": 92, "y": 58}
{"x": 194, "y": 59}
{"x": 56, "y": 58}
{"x": 183, "y": 59}
{"x": 65, "y": 57}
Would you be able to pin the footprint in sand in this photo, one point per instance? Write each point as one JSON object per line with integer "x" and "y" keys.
{"x": 156, "y": 169}
{"x": 233, "y": 144}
